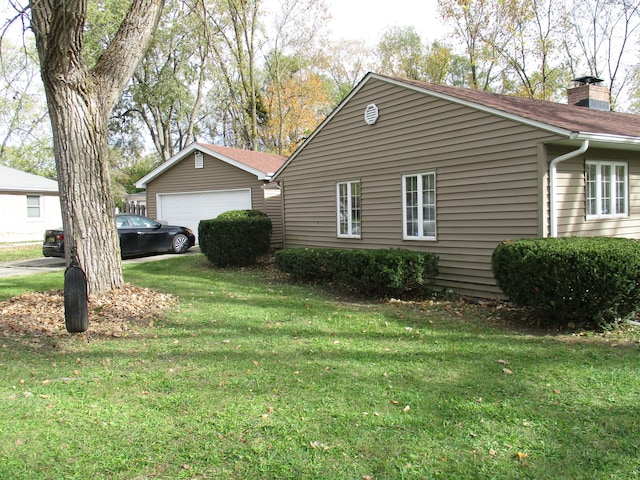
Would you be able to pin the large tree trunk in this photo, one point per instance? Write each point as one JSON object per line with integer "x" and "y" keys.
{"x": 81, "y": 151}
{"x": 80, "y": 101}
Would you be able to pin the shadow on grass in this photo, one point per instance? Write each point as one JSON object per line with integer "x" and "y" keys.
{"x": 479, "y": 394}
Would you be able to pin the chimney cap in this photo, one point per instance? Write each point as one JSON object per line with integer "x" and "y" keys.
{"x": 588, "y": 80}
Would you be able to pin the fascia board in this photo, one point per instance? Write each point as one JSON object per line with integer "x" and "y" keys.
{"x": 181, "y": 155}
{"x": 335, "y": 111}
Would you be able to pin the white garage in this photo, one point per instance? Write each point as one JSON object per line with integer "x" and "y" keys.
{"x": 203, "y": 180}
{"x": 187, "y": 209}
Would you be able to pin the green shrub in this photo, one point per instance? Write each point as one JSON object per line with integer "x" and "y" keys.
{"x": 371, "y": 272}
{"x": 589, "y": 282}
{"x": 302, "y": 263}
{"x": 235, "y": 238}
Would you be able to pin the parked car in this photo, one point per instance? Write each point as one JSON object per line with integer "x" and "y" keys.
{"x": 138, "y": 236}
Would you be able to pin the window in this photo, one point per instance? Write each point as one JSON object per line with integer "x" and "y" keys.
{"x": 419, "y": 206}
{"x": 33, "y": 206}
{"x": 349, "y": 209}
{"x": 607, "y": 192}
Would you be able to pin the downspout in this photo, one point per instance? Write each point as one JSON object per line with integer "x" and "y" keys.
{"x": 553, "y": 213}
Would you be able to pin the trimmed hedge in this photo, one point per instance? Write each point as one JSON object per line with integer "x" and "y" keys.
{"x": 388, "y": 272}
{"x": 587, "y": 282}
{"x": 235, "y": 238}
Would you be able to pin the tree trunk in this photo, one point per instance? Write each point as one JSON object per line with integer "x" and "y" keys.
{"x": 81, "y": 152}
{"x": 80, "y": 101}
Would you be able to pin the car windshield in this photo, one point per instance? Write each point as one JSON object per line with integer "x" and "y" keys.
{"x": 135, "y": 222}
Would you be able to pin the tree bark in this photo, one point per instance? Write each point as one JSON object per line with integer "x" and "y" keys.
{"x": 79, "y": 102}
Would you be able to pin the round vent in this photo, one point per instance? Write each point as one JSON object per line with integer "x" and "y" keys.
{"x": 371, "y": 114}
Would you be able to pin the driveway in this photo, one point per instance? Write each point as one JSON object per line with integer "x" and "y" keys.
{"x": 51, "y": 264}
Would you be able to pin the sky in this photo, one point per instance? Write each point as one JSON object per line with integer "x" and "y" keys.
{"x": 368, "y": 19}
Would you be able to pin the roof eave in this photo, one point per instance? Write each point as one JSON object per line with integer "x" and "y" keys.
{"x": 625, "y": 140}
{"x": 333, "y": 113}
{"x": 181, "y": 155}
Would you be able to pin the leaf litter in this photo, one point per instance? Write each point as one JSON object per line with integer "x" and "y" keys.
{"x": 113, "y": 314}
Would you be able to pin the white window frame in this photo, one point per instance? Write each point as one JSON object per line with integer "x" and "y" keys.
{"x": 610, "y": 190}
{"x": 416, "y": 217}
{"x": 31, "y": 208}
{"x": 352, "y": 204}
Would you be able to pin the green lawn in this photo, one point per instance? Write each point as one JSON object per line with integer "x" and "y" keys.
{"x": 254, "y": 377}
{"x": 10, "y": 253}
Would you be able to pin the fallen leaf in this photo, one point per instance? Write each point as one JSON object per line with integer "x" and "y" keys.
{"x": 318, "y": 445}
{"x": 406, "y": 408}
{"x": 503, "y": 362}
{"x": 507, "y": 371}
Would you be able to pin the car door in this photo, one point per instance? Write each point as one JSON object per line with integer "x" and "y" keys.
{"x": 128, "y": 237}
{"x": 152, "y": 236}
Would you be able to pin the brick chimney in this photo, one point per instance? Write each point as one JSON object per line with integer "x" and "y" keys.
{"x": 587, "y": 93}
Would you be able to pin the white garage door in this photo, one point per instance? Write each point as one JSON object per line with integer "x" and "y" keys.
{"x": 187, "y": 209}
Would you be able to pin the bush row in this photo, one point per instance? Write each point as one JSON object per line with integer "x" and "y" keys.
{"x": 589, "y": 282}
{"x": 388, "y": 272}
{"x": 235, "y": 238}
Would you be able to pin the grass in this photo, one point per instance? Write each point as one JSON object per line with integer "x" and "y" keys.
{"x": 12, "y": 253}
{"x": 253, "y": 377}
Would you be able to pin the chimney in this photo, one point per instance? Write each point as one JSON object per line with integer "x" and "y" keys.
{"x": 587, "y": 93}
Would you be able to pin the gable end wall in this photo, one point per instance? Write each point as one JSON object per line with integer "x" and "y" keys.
{"x": 216, "y": 175}
{"x": 487, "y": 168}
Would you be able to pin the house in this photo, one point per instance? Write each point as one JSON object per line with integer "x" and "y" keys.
{"x": 202, "y": 181}
{"x": 30, "y": 204}
{"x": 454, "y": 171}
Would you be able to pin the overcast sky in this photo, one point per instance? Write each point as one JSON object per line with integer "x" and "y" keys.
{"x": 367, "y": 19}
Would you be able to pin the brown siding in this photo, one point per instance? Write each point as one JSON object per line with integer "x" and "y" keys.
{"x": 572, "y": 204}
{"x": 487, "y": 180}
{"x": 216, "y": 175}
{"x": 273, "y": 208}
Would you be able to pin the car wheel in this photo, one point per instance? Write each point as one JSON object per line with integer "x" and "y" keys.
{"x": 180, "y": 243}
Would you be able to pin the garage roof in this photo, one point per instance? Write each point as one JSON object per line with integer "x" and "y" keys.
{"x": 262, "y": 165}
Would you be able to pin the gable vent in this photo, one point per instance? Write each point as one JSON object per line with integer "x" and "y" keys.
{"x": 371, "y": 114}
{"x": 199, "y": 160}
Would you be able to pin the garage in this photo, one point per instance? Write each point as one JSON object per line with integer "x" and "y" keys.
{"x": 203, "y": 180}
{"x": 187, "y": 209}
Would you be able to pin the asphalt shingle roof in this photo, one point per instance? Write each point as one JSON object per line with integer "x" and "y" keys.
{"x": 560, "y": 115}
{"x": 264, "y": 162}
{"x": 18, "y": 181}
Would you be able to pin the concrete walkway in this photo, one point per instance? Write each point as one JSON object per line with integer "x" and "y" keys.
{"x": 52, "y": 264}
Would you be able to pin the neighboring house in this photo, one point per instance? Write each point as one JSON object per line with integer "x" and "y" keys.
{"x": 203, "y": 181}
{"x": 30, "y": 204}
{"x": 454, "y": 171}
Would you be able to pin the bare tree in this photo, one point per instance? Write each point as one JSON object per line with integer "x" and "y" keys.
{"x": 79, "y": 101}
{"x": 298, "y": 25}
{"x": 476, "y": 24}
{"x": 604, "y": 31}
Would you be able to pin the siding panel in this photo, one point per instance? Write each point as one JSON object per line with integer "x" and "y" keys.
{"x": 487, "y": 183}
{"x": 216, "y": 175}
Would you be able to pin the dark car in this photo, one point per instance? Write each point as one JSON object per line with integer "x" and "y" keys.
{"x": 138, "y": 236}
